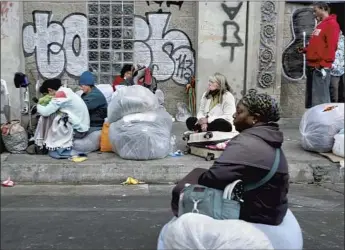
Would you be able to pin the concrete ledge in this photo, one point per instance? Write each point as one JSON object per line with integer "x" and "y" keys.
{"x": 110, "y": 169}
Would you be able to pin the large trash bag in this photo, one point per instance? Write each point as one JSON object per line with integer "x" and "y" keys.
{"x": 142, "y": 136}
{"x": 338, "y": 146}
{"x": 15, "y": 137}
{"x": 319, "y": 125}
{"x": 197, "y": 231}
{"x": 131, "y": 100}
{"x": 89, "y": 143}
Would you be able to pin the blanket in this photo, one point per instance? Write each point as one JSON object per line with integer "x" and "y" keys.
{"x": 60, "y": 134}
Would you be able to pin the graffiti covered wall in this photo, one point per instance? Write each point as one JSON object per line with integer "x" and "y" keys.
{"x": 63, "y": 40}
{"x": 165, "y": 34}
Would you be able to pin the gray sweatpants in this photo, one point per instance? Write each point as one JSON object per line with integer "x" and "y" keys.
{"x": 334, "y": 88}
{"x": 317, "y": 89}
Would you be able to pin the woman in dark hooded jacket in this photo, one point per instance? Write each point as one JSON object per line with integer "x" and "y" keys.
{"x": 249, "y": 156}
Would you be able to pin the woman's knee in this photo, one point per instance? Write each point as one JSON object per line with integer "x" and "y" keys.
{"x": 221, "y": 125}
{"x": 190, "y": 122}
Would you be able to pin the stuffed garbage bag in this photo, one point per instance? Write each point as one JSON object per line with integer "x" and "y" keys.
{"x": 338, "y": 146}
{"x": 142, "y": 136}
{"x": 320, "y": 124}
{"x": 131, "y": 100}
{"x": 89, "y": 143}
{"x": 197, "y": 231}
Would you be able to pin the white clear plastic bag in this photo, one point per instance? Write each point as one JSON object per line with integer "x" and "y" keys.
{"x": 338, "y": 147}
{"x": 14, "y": 137}
{"x": 197, "y": 231}
{"x": 318, "y": 128}
{"x": 182, "y": 112}
{"x": 89, "y": 143}
{"x": 131, "y": 100}
{"x": 143, "y": 136}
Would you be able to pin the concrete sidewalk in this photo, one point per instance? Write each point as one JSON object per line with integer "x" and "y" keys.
{"x": 108, "y": 168}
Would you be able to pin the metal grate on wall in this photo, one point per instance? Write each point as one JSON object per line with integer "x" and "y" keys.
{"x": 110, "y": 37}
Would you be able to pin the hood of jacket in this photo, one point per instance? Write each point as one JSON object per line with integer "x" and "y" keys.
{"x": 270, "y": 133}
{"x": 256, "y": 147}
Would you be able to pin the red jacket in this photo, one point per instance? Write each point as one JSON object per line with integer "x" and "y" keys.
{"x": 323, "y": 43}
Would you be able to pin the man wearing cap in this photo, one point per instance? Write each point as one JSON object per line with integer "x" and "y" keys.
{"x": 94, "y": 100}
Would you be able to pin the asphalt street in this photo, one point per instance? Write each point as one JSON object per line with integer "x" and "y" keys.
{"x": 110, "y": 217}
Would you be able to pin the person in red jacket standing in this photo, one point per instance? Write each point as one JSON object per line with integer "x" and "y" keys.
{"x": 320, "y": 54}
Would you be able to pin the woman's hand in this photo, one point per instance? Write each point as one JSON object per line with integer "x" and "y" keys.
{"x": 204, "y": 127}
{"x": 202, "y": 121}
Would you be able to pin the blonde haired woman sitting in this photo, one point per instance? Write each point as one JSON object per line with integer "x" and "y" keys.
{"x": 217, "y": 107}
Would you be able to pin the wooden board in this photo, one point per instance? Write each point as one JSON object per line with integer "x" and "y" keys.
{"x": 332, "y": 157}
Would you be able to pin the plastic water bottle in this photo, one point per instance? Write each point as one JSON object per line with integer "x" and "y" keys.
{"x": 172, "y": 144}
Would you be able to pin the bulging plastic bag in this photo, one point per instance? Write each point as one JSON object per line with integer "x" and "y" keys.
{"x": 338, "y": 147}
{"x": 131, "y": 100}
{"x": 197, "y": 231}
{"x": 182, "y": 112}
{"x": 319, "y": 125}
{"x": 143, "y": 136}
{"x": 15, "y": 137}
{"x": 89, "y": 143}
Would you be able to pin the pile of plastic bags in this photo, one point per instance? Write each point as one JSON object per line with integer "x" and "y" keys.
{"x": 320, "y": 125}
{"x": 139, "y": 128}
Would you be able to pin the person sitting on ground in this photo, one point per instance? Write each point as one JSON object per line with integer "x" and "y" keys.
{"x": 66, "y": 101}
{"x": 126, "y": 73}
{"x": 216, "y": 107}
{"x": 94, "y": 100}
{"x": 248, "y": 157}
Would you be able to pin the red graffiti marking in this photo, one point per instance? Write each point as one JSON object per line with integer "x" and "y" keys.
{"x": 4, "y": 9}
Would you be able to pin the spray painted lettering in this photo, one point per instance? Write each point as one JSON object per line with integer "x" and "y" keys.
{"x": 233, "y": 27}
{"x": 168, "y": 3}
{"x": 168, "y": 52}
{"x": 58, "y": 46}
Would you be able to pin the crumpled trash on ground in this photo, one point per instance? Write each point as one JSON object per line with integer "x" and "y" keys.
{"x": 7, "y": 183}
{"x": 78, "y": 158}
{"x": 132, "y": 181}
{"x": 176, "y": 153}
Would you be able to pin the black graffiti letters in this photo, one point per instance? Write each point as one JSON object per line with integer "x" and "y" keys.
{"x": 231, "y": 39}
{"x": 168, "y": 3}
{"x": 184, "y": 67}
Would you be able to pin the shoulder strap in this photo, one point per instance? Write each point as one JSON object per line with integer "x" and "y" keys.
{"x": 268, "y": 176}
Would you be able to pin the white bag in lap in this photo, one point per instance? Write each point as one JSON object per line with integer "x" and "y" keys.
{"x": 318, "y": 127}
{"x": 196, "y": 231}
{"x": 131, "y": 100}
{"x": 143, "y": 136}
